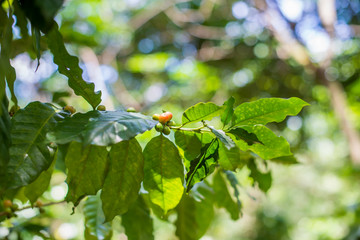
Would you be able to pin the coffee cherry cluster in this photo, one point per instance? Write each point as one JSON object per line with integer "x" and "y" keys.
{"x": 10, "y": 208}
{"x": 164, "y": 122}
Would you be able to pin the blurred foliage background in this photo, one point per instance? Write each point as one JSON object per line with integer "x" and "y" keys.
{"x": 157, "y": 54}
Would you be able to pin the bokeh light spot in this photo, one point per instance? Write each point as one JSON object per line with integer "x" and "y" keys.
{"x": 240, "y": 10}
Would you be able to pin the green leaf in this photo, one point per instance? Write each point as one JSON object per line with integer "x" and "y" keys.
{"x": 204, "y": 207}
{"x": 201, "y": 111}
{"x": 186, "y": 222}
{"x": 87, "y": 168}
{"x": 95, "y": 228}
{"x": 267, "y": 110}
{"x": 228, "y": 111}
{"x": 137, "y": 221}
{"x": 69, "y": 66}
{"x": 60, "y": 157}
{"x": 230, "y": 159}
{"x": 242, "y": 134}
{"x": 285, "y": 160}
{"x": 6, "y": 70}
{"x": 221, "y": 135}
{"x": 21, "y": 20}
{"x": 35, "y": 189}
{"x": 223, "y": 197}
{"x": 3, "y": 20}
{"x": 189, "y": 143}
{"x": 101, "y": 128}
{"x": 264, "y": 180}
{"x": 36, "y": 43}
{"x": 29, "y": 155}
{"x": 41, "y": 13}
{"x": 234, "y": 184}
{"x": 194, "y": 217}
{"x": 203, "y": 165}
{"x": 123, "y": 181}
{"x": 163, "y": 173}
{"x": 5, "y": 141}
{"x": 272, "y": 147}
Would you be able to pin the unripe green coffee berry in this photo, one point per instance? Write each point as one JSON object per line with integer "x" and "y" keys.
{"x": 171, "y": 123}
{"x": 155, "y": 116}
{"x": 131, "y": 109}
{"x": 14, "y": 207}
{"x": 166, "y": 130}
{"x": 8, "y": 212}
{"x": 159, "y": 127}
{"x": 101, "y": 108}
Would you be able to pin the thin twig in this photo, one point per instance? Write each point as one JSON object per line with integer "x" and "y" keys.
{"x": 27, "y": 207}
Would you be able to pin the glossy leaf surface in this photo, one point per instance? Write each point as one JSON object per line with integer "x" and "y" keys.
{"x": 267, "y": 110}
{"x": 29, "y": 155}
{"x": 201, "y": 111}
{"x": 101, "y": 128}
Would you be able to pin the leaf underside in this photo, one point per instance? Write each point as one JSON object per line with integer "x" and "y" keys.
{"x": 87, "y": 168}
{"x": 203, "y": 165}
{"x": 123, "y": 181}
{"x": 163, "y": 173}
{"x": 137, "y": 221}
{"x": 95, "y": 228}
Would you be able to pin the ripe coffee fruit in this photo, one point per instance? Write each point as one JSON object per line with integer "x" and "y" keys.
{"x": 159, "y": 127}
{"x": 38, "y": 203}
{"x": 166, "y": 130}
{"x": 165, "y": 117}
{"x": 7, "y": 203}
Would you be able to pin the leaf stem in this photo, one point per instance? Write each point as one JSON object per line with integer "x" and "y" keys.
{"x": 199, "y": 129}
